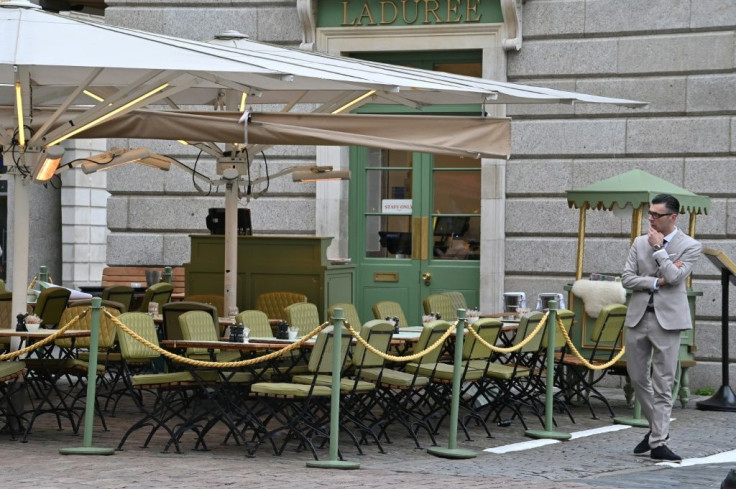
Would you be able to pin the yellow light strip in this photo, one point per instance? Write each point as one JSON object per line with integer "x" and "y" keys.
{"x": 19, "y": 111}
{"x": 243, "y": 98}
{"x": 93, "y": 95}
{"x": 107, "y": 116}
{"x": 353, "y": 102}
{"x": 181, "y": 141}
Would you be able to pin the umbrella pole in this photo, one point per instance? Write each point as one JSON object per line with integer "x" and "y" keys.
{"x": 691, "y": 232}
{"x": 581, "y": 242}
{"x": 21, "y": 232}
{"x": 231, "y": 246}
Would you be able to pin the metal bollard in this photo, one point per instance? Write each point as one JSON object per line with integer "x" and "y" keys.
{"x": 338, "y": 317}
{"x": 548, "y": 431}
{"x": 89, "y": 408}
{"x": 452, "y": 451}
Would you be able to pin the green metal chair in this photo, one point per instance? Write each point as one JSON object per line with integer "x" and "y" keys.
{"x": 607, "y": 337}
{"x": 303, "y": 315}
{"x": 274, "y": 303}
{"x": 198, "y": 325}
{"x": 119, "y": 293}
{"x": 171, "y": 311}
{"x": 457, "y": 298}
{"x": 404, "y": 396}
{"x": 512, "y": 385}
{"x": 350, "y": 314}
{"x": 159, "y": 293}
{"x": 300, "y": 409}
{"x": 170, "y": 390}
{"x": 10, "y": 416}
{"x": 440, "y": 304}
{"x": 257, "y": 322}
{"x": 51, "y": 304}
{"x": 389, "y": 309}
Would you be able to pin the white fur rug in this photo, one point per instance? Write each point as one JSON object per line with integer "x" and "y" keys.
{"x": 597, "y": 294}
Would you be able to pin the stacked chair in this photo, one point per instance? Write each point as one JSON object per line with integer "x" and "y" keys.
{"x": 390, "y": 309}
{"x": 440, "y": 304}
{"x": 274, "y": 303}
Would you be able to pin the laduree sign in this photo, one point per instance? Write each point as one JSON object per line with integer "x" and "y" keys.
{"x": 364, "y": 13}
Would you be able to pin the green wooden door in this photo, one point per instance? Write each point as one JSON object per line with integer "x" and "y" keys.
{"x": 414, "y": 228}
{"x": 414, "y": 217}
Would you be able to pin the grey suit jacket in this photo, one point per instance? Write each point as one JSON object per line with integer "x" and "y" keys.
{"x": 670, "y": 301}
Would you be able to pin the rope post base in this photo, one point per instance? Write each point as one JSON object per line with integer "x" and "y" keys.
{"x": 637, "y": 421}
{"x": 333, "y": 463}
{"x": 89, "y": 407}
{"x": 452, "y": 451}
{"x": 548, "y": 432}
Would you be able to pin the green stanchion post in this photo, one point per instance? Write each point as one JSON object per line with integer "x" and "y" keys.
{"x": 636, "y": 421}
{"x": 452, "y": 451}
{"x": 43, "y": 273}
{"x": 334, "y": 462}
{"x": 548, "y": 431}
{"x": 89, "y": 408}
{"x": 167, "y": 275}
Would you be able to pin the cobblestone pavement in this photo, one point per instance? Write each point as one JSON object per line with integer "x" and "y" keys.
{"x": 600, "y": 461}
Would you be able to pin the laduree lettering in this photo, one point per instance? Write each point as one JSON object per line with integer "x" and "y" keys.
{"x": 411, "y": 12}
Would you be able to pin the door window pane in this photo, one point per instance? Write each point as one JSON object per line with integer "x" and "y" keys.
{"x": 388, "y": 176}
{"x": 456, "y": 237}
{"x": 388, "y": 236}
{"x": 456, "y": 192}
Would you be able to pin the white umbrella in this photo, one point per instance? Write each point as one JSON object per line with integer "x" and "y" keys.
{"x": 62, "y": 63}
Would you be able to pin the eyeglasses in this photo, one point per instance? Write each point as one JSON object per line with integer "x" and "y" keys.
{"x": 656, "y": 215}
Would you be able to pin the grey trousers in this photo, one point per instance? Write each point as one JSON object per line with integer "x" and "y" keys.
{"x": 648, "y": 340}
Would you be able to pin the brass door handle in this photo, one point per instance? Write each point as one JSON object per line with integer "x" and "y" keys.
{"x": 427, "y": 277}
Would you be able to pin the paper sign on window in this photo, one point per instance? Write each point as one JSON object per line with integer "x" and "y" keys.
{"x": 396, "y": 206}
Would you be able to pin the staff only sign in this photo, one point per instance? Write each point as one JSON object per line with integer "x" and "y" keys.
{"x": 362, "y": 13}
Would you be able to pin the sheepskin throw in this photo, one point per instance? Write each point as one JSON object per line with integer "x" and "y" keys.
{"x": 598, "y": 294}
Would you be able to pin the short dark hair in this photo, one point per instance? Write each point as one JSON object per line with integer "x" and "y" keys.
{"x": 670, "y": 202}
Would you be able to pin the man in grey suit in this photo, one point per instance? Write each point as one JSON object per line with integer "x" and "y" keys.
{"x": 656, "y": 271}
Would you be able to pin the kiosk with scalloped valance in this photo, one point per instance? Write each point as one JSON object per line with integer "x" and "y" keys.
{"x": 629, "y": 194}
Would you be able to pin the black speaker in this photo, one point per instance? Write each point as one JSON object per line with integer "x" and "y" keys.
{"x": 216, "y": 221}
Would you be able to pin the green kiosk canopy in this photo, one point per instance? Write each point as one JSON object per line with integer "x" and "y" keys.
{"x": 634, "y": 188}
{"x": 631, "y": 190}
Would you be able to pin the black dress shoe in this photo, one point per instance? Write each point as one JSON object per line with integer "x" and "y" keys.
{"x": 663, "y": 452}
{"x": 643, "y": 446}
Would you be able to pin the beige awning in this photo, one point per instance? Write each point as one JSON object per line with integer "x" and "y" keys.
{"x": 472, "y": 137}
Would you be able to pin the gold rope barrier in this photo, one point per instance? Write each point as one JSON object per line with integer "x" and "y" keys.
{"x": 395, "y": 358}
{"x": 45, "y": 341}
{"x": 516, "y": 347}
{"x": 202, "y": 363}
{"x": 583, "y": 360}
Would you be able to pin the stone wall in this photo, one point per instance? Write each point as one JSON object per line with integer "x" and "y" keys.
{"x": 678, "y": 55}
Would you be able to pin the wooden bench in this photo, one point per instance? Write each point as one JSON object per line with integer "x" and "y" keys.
{"x": 124, "y": 275}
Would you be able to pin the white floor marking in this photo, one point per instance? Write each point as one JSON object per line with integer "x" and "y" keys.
{"x": 718, "y": 458}
{"x": 596, "y": 431}
{"x": 528, "y": 445}
{"x": 524, "y": 445}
